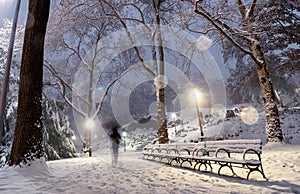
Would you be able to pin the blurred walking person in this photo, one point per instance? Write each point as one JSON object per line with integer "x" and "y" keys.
{"x": 115, "y": 141}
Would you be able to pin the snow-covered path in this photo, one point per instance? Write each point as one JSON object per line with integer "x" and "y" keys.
{"x": 134, "y": 175}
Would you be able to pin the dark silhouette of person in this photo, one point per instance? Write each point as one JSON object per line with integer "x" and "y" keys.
{"x": 115, "y": 141}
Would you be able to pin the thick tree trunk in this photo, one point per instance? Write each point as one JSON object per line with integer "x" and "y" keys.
{"x": 28, "y": 135}
{"x": 273, "y": 129}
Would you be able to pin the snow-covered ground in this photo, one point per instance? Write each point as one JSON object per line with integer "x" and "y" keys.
{"x": 281, "y": 163}
{"x": 134, "y": 175}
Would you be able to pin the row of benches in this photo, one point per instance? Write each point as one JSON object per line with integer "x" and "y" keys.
{"x": 226, "y": 153}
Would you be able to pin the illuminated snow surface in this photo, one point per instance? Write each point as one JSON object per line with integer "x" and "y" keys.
{"x": 95, "y": 174}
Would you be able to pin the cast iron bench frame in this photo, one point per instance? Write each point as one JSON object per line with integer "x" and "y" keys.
{"x": 210, "y": 152}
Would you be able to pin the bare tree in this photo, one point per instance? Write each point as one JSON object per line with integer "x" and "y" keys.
{"x": 240, "y": 31}
{"x": 86, "y": 17}
{"x": 160, "y": 89}
{"x": 278, "y": 28}
{"x": 76, "y": 30}
{"x": 147, "y": 12}
{"x": 27, "y": 144}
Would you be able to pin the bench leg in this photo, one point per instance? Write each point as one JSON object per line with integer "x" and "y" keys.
{"x": 185, "y": 161}
{"x": 257, "y": 168}
{"x": 262, "y": 172}
{"x": 173, "y": 159}
{"x": 205, "y": 163}
{"x": 226, "y": 165}
{"x": 162, "y": 158}
{"x": 149, "y": 157}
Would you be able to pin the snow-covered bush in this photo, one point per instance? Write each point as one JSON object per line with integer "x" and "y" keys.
{"x": 5, "y": 148}
{"x": 12, "y": 96}
{"x": 58, "y": 142}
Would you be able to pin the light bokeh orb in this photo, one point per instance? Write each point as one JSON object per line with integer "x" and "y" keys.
{"x": 161, "y": 81}
{"x": 203, "y": 43}
{"x": 249, "y": 115}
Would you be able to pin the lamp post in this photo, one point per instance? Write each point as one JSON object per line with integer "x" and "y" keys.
{"x": 88, "y": 126}
{"x": 7, "y": 69}
{"x": 197, "y": 95}
{"x": 124, "y": 135}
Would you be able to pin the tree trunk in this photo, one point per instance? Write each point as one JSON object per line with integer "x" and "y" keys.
{"x": 160, "y": 90}
{"x": 88, "y": 128}
{"x": 273, "y": 129}
{"x": 28, "y": 136}
{"x": 161, "y": 117}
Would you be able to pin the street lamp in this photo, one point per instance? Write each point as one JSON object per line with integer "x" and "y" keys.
{"x": 197, "y": 96}
{"x": 124, "y": 135}
{"x": 88, "y": 125}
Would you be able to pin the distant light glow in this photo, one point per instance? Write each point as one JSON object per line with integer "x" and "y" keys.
{"x": 2, "y": 1}
{"x": 249, "y": 115}
{"x": 196, "y": 95}
{"x": 89, "y": 123}
{"x": 124, "y": 133}
{"x": 73, "y": 137}
{"x": 173, "y": 115}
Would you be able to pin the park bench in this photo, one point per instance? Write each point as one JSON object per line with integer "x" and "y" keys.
{"x": 223, "y": 153}
{"x": 85, "y": 149}
{"x": 170, "y": 152}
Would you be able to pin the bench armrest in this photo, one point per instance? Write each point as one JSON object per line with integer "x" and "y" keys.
{"x": 174, "y": 150}
{"x": 185, "y": 150}
{"x": 252, "y": 152}
{"x": 202, "y": 151}
{"x": 219, "y": 150}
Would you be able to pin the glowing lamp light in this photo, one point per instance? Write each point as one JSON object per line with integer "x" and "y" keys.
{"x": 124, "y": 133}
{"x": 197, "y": 97}
{"x": 89, "y": 123}
{"x": 173, "y": 115}
{"x": 197, "y": 94}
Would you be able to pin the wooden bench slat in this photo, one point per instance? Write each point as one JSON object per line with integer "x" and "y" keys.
{"x": 230, "y": 160}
